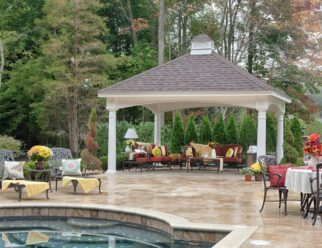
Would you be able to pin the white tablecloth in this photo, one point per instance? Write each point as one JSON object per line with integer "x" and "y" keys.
{"x": 299, "y": 180}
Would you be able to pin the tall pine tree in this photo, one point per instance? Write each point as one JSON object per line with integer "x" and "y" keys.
{"x": 76, "y": 57}
{"x": 270, "y": 133}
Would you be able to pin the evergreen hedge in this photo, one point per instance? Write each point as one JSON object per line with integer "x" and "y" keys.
{"x": 219, "y": 131}
{"x": 191, "y": 130}
{"x": 271, "y": 133}
{"x": 248, "y": 133}
{"x": 231, "y": 131}
{"x": 177, "y": 135}
{"x": 205, "y": 134}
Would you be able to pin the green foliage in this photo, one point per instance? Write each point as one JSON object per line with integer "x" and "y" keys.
{"x": 296, "y": 128}
{"x": 10, "y": 143}
{"x": 219, "y": 130}
{"x": 270, "y": 133}
{"x": 248, "y": 132}
{"x": 205, "y": 133}
{"x": 314, "y": 126}
{"x": 29, "y": 165}
{"x": 191, "y": 130}
{"x": 177, "y": 136}
{"x": 145, "y": 131}
{"x": 231, "y": 131}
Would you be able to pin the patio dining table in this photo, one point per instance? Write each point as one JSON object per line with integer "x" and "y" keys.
{"x": 298, "y": 180}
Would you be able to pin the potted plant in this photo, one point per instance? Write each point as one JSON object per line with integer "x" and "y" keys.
{"x": 248, "y": 173}
{"x": 257, "y": 170}
{"x": 39, "y": 155}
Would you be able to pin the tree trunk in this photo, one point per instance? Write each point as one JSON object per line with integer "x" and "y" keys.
{"x": 184, "y": 27}
{"x": 73, "y": 129}
{"x": 161, "y": 32}
{"x": 251, "y": 45}
{"x": 133, "y": 32}
{"x": 1, "y": 61}
{"x": 179, "y": 31}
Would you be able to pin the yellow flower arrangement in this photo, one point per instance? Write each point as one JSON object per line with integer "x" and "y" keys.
{"x": 39, "y": 153}
{"x": 256, "y": 168}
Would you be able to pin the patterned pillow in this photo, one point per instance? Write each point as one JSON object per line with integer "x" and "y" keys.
{"x": 71, "y": 167}
{"x": 13, "y": 170}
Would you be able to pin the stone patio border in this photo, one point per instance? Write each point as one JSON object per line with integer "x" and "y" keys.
{"x": 225, "y": 236}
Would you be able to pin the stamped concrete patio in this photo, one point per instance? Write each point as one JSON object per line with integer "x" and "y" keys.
{"x": 200, "y": 196}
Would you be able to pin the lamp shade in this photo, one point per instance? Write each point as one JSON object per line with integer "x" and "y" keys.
{"x": 131, "y": 134}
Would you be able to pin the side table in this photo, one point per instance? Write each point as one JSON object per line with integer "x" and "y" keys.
{"x": 40, "y": 175}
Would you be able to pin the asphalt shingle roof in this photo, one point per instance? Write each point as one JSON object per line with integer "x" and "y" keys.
{"x": 191, "y": 73}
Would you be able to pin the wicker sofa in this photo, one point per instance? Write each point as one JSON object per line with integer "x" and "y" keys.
{"x": 147, "y": 158}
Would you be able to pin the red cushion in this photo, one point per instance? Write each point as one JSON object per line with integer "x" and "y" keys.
{"x": 277, "y": 169}
{"x": 142, "y": 160}
{"x": 167, "y": 159}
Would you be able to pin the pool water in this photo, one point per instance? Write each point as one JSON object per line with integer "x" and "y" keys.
{"x": 82, "y": 232}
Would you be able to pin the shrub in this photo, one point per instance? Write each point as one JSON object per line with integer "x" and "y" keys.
{"x": 248, "y": 132}
{"x": 145, "y": 131}
{"x": 231, "y": 131}
{"x": 191, "y": 130}
{"x": 288, "y": 135}
{"x": 89, "y": 154}
{"x": 219, "y": 131}
{"x": 103, "y": 159}
{"x": 10, "y": 143}
{"x": 296, "y": 129}
{"x": 177, "y": 135}
{"x": 290, "y": 154}
{"x": 271, "y": 133}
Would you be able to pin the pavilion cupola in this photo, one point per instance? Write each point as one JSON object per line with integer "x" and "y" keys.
{"x": 202, "y": 45}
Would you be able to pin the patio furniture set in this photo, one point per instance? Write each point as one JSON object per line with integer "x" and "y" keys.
{"x": 191, "y": 156}
{"x": 40, "y": 180}
{"x": 304, "y": 180}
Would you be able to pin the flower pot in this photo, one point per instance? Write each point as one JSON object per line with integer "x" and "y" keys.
{"x": 258, "y": 177}
{"x": 248, "y": 178}
{"x": 40, "y": 165}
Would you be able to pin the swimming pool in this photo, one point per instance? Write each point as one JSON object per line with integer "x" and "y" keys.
{"x": 84, "y": 232}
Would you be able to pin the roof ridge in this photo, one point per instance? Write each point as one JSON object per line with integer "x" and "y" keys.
{"x": 254, "y": 79}
{"x": 146, "y": 72}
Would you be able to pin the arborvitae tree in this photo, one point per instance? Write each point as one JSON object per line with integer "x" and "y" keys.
{"x": 205, "y": 134}
{"x": 231, "y": 131}
{"x": 177, "y": 136}
{"x": 270, "y": 133}
{"x": 89, "y": 154}
{"x": 219, "y": 131}
{"x": 296, "y": 129}
{"x": 248, "y": 132}
{"x": 290, "y": 153}
{"x": 191, "y": 130}
{"x": 288, "y": 135}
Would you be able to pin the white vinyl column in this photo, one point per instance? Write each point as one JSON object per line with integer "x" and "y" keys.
{"x": 280, "y": 137}
{"x": 157, "y": 128}
{"x": 112, "y": 140}
{"x": 261, "y": 132}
